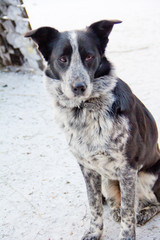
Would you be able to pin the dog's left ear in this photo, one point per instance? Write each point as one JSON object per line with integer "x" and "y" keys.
{"x": 102, "y": 30}
{"x": 44, "y": 37}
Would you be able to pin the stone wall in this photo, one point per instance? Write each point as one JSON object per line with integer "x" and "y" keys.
{"x": 15, "y": 50}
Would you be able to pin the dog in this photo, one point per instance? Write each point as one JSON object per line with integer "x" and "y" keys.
{"x": 110, "y": 132}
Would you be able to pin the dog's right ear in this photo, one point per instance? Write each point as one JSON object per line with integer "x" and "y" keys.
{"x": 44, "y": 37}
{"x": 102, "y": 29}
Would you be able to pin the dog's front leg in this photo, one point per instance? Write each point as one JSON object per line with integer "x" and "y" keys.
{"x": 128, "y": 177}
{"x": 93, "y": 184}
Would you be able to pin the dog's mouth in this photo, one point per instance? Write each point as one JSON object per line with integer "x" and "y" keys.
{"x": 83, "y": 95}
{"x": 78, "y": 91}
{"x": 71, "y": 100}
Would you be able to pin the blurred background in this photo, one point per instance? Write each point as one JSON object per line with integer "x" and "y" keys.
{"x": 43, "y": 194}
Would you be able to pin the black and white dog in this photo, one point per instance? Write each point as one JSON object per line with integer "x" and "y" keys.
{"x": 110, "y": 132}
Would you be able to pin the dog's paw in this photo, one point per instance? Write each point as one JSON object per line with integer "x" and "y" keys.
{"x": 127, "y": 235}
{"x": 129, "y": 238}
{"x": 115, "y": 213}
{"x": 91, "y": 236}
{"x": 146, "y": 214}
{"x": 142, "y": 218}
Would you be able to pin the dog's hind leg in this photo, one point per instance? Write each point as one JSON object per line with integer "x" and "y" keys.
{"x": 149, "y": 205}
{"x": 93, "y": 185}
{"x": 111, "y": 191}
{"x": 145, "y": 214}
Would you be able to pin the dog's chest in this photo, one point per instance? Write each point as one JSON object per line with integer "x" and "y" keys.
{"x": 97, "y": 140}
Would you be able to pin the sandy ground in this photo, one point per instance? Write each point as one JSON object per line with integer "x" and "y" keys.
{"x": 42, "y": 191}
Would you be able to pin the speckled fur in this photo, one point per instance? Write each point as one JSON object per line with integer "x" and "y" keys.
{"x": 103, "y": 133}
{"x": 98, "y": 142}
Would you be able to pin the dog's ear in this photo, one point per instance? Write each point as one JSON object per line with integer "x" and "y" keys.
{"x": 102, "y": 30}
{"x": 44, "y": 37}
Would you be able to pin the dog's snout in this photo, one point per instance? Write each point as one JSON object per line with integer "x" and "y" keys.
{"x": 79, "y": 88}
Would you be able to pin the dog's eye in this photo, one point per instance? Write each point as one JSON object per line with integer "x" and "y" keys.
{"x": 63, "y": 59}
{"x": 89, "y": 58}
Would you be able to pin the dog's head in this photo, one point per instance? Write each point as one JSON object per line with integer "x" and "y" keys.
{"x": 75, "y": 58}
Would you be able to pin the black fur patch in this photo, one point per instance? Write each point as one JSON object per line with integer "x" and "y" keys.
{"x": 104, "y": 68}
{"x": 44, "y": 37}
{"x": 102, "y": 30}
{"x": 124, "y": 98}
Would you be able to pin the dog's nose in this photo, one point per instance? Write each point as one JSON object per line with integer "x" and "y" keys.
{"x": 79, "y": 88}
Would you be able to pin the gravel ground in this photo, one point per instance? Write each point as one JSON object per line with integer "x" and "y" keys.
{"x": 43, "y": 195}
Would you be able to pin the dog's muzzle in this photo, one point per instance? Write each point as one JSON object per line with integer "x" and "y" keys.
{"x": 79, "y": 88}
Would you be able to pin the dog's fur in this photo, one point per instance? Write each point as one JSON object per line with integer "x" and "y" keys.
{"x": 110, "y": 132}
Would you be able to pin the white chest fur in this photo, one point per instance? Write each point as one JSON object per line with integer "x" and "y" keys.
{"x": 96, "y": 140}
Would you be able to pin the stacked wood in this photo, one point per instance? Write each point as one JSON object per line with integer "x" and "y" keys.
{"x": 15, "y": 50}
